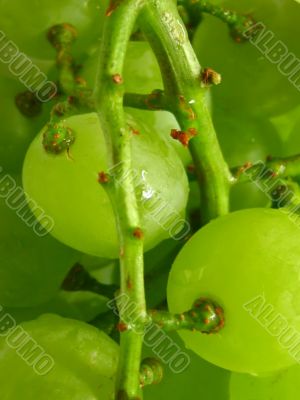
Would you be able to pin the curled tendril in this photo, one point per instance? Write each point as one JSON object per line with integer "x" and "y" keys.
{"x": 151, "y": 372}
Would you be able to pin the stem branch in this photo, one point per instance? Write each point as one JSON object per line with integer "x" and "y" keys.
{"x": 109, "y": 94}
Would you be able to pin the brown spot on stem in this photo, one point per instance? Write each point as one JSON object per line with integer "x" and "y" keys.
{"x": 117, "y": 78}
{"x": 113, "y": 5}
{"x": 80, "y": 81}
{"x": 134, "y": 131}
{"x": 103, "y": 177}
{"x": 187, "y": 108}
{"x": 129, "y": 283}
{"x": 183, "y": 137}
{"x": 138, "y": 233}
{"x": 122, "y": 327}
{"x": 210, "y": 77}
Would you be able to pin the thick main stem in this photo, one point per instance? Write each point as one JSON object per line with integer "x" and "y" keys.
{"x": 109, "y": 103}
{"x": 187, "y": 97}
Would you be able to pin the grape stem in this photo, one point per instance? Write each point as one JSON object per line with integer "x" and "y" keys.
{"x": 205, "y": 316}
{"x": 186, "y": 96}
{"x": 149, "y": 102}
{"x": 274, "y": 166}
{"x": 109, "y": 94}
{"x": 62, "y": 37}
{"x": 236, "y": 22}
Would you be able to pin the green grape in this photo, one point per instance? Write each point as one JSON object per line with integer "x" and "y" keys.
{"x": 199, "y": 380}
{"x": 33, "y": 20}
{"x": 247, "y": 261}
{"x": 32, "y": 265}
{"x": 244, "y": 139}
{"x": 74, "y": 361}
{"x": 67, "y": 188}
{"x": 142, "y": 75}
{"x": 17, "y": 131}
{"x": 251, "y": 82}
{"x": 282, "y": 386}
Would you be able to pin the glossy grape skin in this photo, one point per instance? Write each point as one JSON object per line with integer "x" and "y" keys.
{"x": 282, "y": 386}
{"x": 250, "y": 81}
{"x": 85, "y": 362}
{"x": 32, "y": 268}
{"x": 200, "y": 380}
{"x": 80, "y": 206}
{"x": 34, "y": 18}
{"x": 242, "y": 140}
{"x": 233, "y": 260}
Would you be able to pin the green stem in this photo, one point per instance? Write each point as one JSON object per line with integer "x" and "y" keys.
{"x": 61, "y": 37}
{"x": 187, "y": 98}
{"x": 149, "y": 102}
{"x": 236, "y": 22}
{"x": 205, "y": 316}
{"x": 109, "y": 95}
{"x": 276, "y": 167}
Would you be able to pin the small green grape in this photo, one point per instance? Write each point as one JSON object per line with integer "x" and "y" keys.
{"x": 32, "y": 266}
{"x": 68, "y": 190}
{"x": 244, "y": 139}
{"x": 251, "y": 82}
{"x": 75, "y": 360}
{"x": 247, "y": 257}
